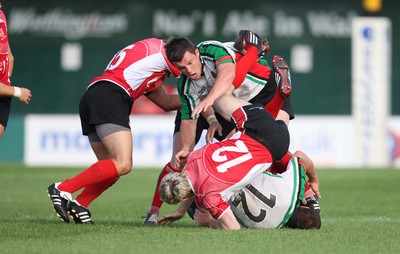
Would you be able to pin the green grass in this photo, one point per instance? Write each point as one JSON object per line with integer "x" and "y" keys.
{"x": 360, "y": 214}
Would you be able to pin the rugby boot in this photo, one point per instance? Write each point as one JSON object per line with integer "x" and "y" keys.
{"x": 59, "y": 201}
{"x": 282, "y": 76}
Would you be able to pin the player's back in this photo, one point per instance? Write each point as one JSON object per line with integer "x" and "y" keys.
{"x": 269, "y": 200}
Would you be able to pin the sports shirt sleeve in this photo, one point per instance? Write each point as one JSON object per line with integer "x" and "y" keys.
{"x": 215, "y": 205}
{"x": 215, "y": 52}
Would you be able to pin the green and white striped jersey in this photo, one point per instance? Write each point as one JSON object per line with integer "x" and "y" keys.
{"x": 269, "y": 200}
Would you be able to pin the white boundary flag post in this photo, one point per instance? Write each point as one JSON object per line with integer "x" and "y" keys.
{"x": 371, "y": 85}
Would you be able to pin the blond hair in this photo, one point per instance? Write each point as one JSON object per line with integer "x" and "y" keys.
{"x": 175, "y": 187}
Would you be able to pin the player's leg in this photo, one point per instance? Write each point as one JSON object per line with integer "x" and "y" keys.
{"x": 78, "y": 208}
{"x": 5, "y": 107}
{"x": 282, "y": 76}
{"x": 101, "y": 175}
{"x": 227, "y": 104}
{"x": 154, "y": 210}
{"x": 102, "y": 103}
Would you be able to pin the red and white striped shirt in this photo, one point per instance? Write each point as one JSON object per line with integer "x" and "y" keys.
{"x": 139, "y": 68}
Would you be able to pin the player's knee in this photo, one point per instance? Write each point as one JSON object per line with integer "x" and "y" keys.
{"x": 124, "y": 167}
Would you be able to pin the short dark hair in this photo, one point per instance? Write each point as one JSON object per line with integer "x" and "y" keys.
{"x": 304, "y": 218}
{"x": 175, "y": 48}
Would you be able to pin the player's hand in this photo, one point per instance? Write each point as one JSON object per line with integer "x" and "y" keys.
{"x": 26, "y": 95}
{"x": 180, "y": 158}
{"x": 251, "y": 39}
{"x": 214, "y": 127}
{"x": 314, "y": 184}
{"x": 202, "y": 107}
{"x": 203, "y": 217}
{"x": 171, "y": 217}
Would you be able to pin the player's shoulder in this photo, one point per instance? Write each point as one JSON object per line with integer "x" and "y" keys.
{"x": 212, "y": 46}
{"x": 150, "y": 45}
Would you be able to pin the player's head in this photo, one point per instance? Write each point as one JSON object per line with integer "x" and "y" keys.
{"x": 175, "y": 48}
{"x": 185, "y": 56}
{"x": 304, "y": 217}
{"x": 175, "y": 187}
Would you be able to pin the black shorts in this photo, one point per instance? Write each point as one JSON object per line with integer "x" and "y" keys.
{"x": 5, "y": 107}
{"x": 104, "y": 102}
{"x": 260, "y": 126}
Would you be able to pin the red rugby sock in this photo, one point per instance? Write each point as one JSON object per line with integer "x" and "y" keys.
{"x": 91, "y": 192}
{"x": 244, "y": 64}
{"x": 98, "y": 172}
{"x": 275, "y": 104}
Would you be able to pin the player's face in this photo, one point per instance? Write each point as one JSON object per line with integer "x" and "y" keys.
{"x": 190, "y": 65}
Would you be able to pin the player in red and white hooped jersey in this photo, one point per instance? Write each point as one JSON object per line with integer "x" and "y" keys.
{"x": 139, "y": 68}
{"x": 6, "y": 66}
{"x": 136, "y": 70}
{"x": 216, "y": 171}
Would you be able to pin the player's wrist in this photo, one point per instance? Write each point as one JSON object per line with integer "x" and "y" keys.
{"x": 211, "y": 119}
{"x": 17, "y": 92}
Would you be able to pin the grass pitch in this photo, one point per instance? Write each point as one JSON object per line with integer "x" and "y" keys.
{"x": 360, "y": 212}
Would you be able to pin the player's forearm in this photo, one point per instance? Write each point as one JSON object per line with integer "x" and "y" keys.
{"x": 185, "y": 204}
{"x": 223, "y": 81}
{"x": 228, "y": 221}
{"x": 6, "y": 90}
{"x": 166, "y": 102}
{"x": 188, "y": 134}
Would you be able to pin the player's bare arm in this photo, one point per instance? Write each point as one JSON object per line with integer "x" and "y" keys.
{"x": 178, "y": 213}
{"x": 225, "y": 77}
{"x": 212, "y": 120}
{"x": 188, "y": 132}
{"x": 165, "y": 101}
{"x": 23, "y": 94}
{"x": 310, "y": 172}
{"x": 228, "y": 221}
{"x": 10, "y": 61}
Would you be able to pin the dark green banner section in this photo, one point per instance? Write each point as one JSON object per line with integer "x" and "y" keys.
{"x": 12, "y": 142}
{"x": 59, "y": 46}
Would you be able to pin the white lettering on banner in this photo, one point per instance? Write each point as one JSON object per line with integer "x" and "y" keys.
{"x": 64, "y": 22}
{"x": 67, "y": 23}
{"x": 170, "y": 22}
{"x": 246, "y": 19}
{"x": 287, "y": 26}
{"x": 329, "y": 24}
